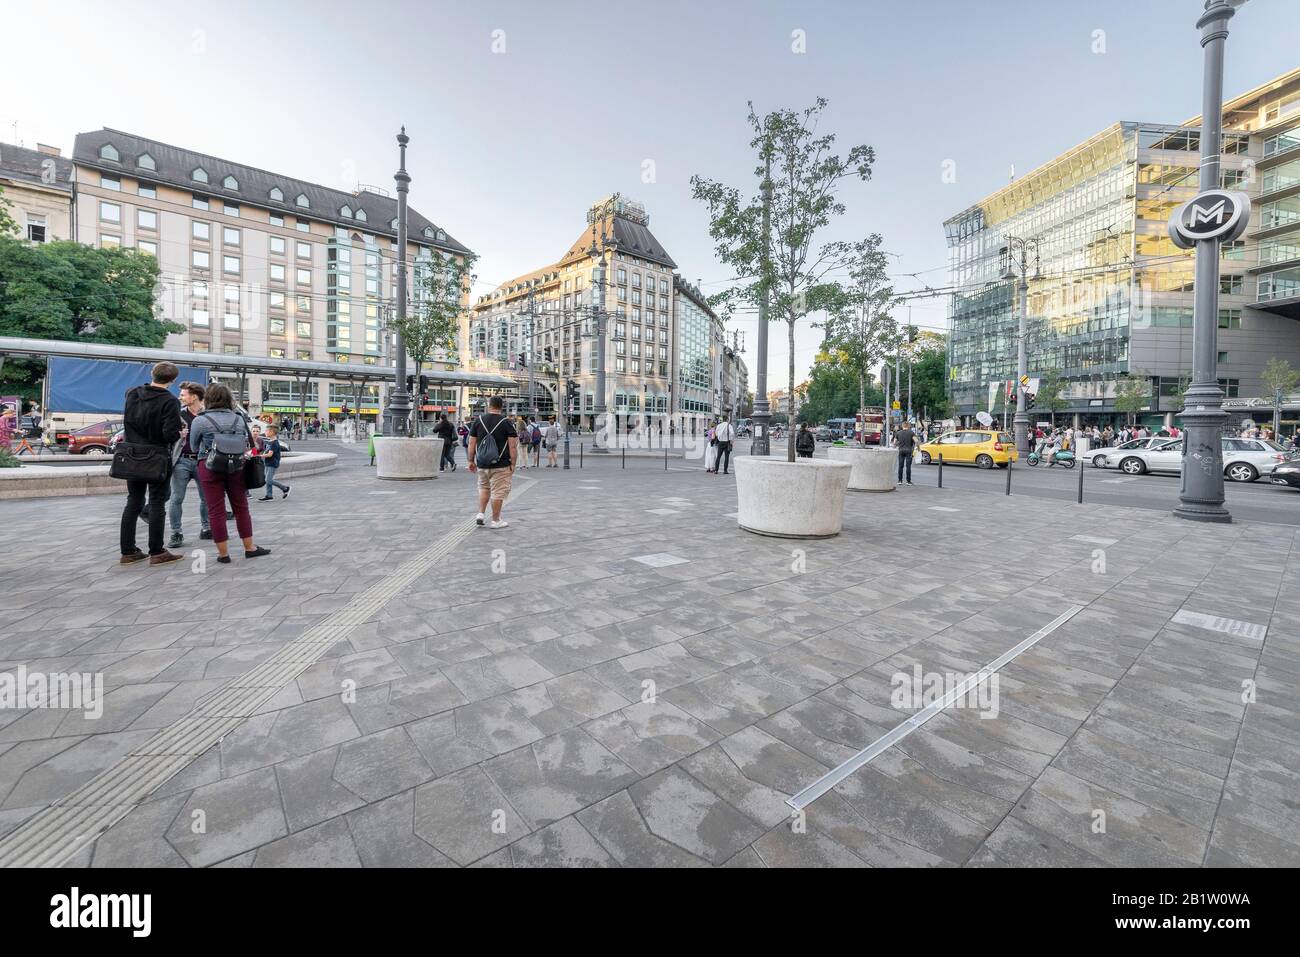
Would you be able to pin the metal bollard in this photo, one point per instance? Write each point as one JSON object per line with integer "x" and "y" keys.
{"x": 1008, "y": 476}
{"x": 940, "y": 470}
{"x": 580, "y": 448}
{"x": 665, "y": 458}
{"x": 625, "y": 456}
{"x": 1078, "y": 463}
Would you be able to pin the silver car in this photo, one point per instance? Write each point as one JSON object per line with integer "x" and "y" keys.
{"x": 1244, "y": 460}
{"x": 1109, "y": 458}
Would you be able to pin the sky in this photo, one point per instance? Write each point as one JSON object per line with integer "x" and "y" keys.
{"x": 522, "y": 113}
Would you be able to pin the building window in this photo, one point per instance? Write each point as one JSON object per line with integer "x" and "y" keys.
{"x": 361, "y": 215}
{"x": 199, "y": 202}
{"x": 145, "y": 161}
{"x": 110, "y": 212}
{"x": 620, "y": 365}
{"x": 111, "y": 182}
{"x": 230, "y": 210}
{"x": 200, "y": 259}
{"x": 1229, "y": 318}
{"x": 277, "y": 272}
{"x": 230, "y": 265}
{"x": 1230, "y": 285}
{"x": 229, "y": 236}
{"x": 302, "y": 305}
{"x": 201, "y": 231}
{"x": 109, "y": 152}
{"x": 231, "y": 350}
{"x": 199, "y": 317}
{"x": 303, "y": 329}
{"x": 1223, "y": 357}
{"x": 276, "y": 219}
{"x": 303, "y": 226}
{"x": 230, "y": 183}
{"x": 276, "y": 195}
{"x": 303, "y": 354}
{"x": 109, "y": 241}
{"x": 231, "y": 321}
{"x": 146, "y": 219}
{"x": 277, "y": 326}
{"x": 302, "y": 200}
{"x": 304, "y": 277}
{"x": 345, "y": 211}
{"x": 303, "y": 251}
{"x": 277, "y": 245}
{"x": 36, "y": 229}
{"x": 147, "y": 191}
{"x": 199, "y": 175}
{"x": 275, "y": 300}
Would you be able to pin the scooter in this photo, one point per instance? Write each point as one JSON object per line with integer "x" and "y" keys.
{"x": 1061, "y": 457}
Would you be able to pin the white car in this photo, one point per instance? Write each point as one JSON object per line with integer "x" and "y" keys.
{"x": 1109, "y": 458}
{"x": 1244, "y": 460}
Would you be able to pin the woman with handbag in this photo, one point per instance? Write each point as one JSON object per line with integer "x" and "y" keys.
{"x": 152, "y": 421}
{"x": 221, "y": 438}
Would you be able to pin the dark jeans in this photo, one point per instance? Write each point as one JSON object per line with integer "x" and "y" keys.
{"x": 905, "y": 461}
{"x": 723, "y": 461}
{"x": 448, "y": 454}
{"x": 217, "y": 486}
{"x": 135, "y": 490}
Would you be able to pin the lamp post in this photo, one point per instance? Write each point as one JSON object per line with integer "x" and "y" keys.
{"x": 1200, "y": 496}
{"x": 597, "y": 255}
{"x": 1021, "y": 246}
{"x": 762, "y": 417}
{"x": 397, "y": 416}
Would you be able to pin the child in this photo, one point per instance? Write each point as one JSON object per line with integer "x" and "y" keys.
{"x": 271, "y": 450}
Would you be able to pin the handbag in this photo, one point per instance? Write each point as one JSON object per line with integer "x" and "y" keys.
{"x": 141, "y": 463}
{"x": 254, "y": 471}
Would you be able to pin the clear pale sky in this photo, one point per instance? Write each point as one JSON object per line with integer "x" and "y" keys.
{"x": 509, "y": 148}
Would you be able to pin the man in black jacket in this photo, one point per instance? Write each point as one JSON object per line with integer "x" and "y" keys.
{"x": 447, "y": 433}
{"x": 152, "y": 416}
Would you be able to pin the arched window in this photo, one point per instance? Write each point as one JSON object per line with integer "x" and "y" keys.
{"x": 276, "y": 194}
{"x": 145, "y": 161}
{"x": 346, "y": 211}
{"x": 302, "y": 201}
{"x": 361, "y": 215}
{"x": 199, "y": 175}
{"x": 393, "y": 224}
{"x": 230, "y": 183}
{"x": 109, "y": 152}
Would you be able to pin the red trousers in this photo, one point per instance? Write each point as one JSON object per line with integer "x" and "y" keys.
{"x": 218, "y": 486}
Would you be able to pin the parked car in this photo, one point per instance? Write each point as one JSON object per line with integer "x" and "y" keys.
{"x": 1244, "y": 460}
{"x": 1108, "y": 458}
{"x": 93, "y": 439}
{"x": 982, "y": 447}
{"x": 1288, "y": 473}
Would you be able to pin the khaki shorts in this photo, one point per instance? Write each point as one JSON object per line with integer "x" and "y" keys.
{"x": 496, "y": 481}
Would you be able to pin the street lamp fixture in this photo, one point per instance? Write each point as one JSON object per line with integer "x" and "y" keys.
{"x": 1023, "y": 247}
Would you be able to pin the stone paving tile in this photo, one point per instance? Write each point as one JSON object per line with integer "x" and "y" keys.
{"x": 325, "y": 845}
{"x": 384, "y": 835}
{"x": 649, "y": 736}
{"x": 238, "y": 814}
{"x": 465, "y": 816}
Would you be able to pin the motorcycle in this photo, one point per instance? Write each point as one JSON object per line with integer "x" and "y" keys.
{"x": 1063, "y": 457}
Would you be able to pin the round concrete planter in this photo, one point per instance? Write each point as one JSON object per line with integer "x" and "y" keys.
{"x": 873, "y": 469}
{"x": 803, "y": 499}
{"x": 407, "y": 460}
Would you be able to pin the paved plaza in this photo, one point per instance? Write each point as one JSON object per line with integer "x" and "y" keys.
{"x": 624, "y": 678}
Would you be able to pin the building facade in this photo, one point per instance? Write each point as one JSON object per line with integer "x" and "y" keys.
{"x": 259, "y": 264}
{"x": 37, "y": 185}
{"x": 1109, "y": 293}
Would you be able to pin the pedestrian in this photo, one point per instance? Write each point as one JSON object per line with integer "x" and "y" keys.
{"x": 552, "y": 440}
{"x": 710, "y": 450}
{"x": 905, "y": 440}
{"x": 152, "y": 421}
{"x": 493, "y": 454}
{"x": 218, "y": 436}
{"x": 271, "y": 451}
{"x": 804, "y": 443}
{"x": 445, "y": 431}
{"x": 535, "y": 441}
{"x": 372, "y": 448}
{"x": 520, "y": 426}
{"x": 186, "y": 468}
{"x": 725, "y": 433}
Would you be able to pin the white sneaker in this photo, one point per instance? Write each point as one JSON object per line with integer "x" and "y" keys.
{"x": 500, "y": 524}
{"x": 478, "y": 519}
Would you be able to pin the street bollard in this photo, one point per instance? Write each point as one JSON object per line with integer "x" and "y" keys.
{"x": 940, "y": 470}
{"x": 1008, "y": 476}
{"x": 580, "y": 448}
{"x": 665, "y": 458}
{"x": 1078, "y": 462}
{"x": 625, "y": 456}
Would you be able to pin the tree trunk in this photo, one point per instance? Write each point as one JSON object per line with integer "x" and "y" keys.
{"x": 789, "y": 450}
{"x": 862, "y": 406}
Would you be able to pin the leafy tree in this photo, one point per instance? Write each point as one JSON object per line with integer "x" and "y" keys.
{"x": 775, "y": 257}
{"x": 65, "y": 291}
{"x": 433, "y": 321}
{"x": 1049, "y": 397}
{"x": 7, "y": 225}
{"x": 833, "y": 391}
{"x": 930, "y": 385}
{"x": 1280, "y": 379}
{"x": 1133, "y": 394}
{"x": 859, "y": 327}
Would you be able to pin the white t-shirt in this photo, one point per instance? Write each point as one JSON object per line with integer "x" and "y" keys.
{"x": 725, "y": 432}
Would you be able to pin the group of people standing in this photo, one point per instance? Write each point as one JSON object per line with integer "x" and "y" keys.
{"x": 200, "y": 435}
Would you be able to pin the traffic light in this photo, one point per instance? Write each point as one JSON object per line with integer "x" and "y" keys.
{"x": 546, "y": 354}
{"x": 571, "y": 394}
{"x": 520, "y": 359}
{"x": 1029, "y": 400}
{"x": 424, "y": 383}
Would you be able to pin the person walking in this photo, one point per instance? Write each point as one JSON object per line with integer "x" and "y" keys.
{"x": 216, "y": 434}
{"x": 271, "y": 450}
{"x": 552, "y": 440}
{"x": 905, "y": 441}
{"x": 186, "y": 468}
{"x": 804, "y": 443}
{"x": 495, "y": 433}
{"x": 520, "y": 429}
{"x": 725, "y": 434}
{"x": 151, "y": 417}
{"x": 443, "y": 429}
{"x": 535, "y": 442}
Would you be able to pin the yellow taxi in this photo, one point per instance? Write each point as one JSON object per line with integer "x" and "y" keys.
{"x": 983, "y": 447}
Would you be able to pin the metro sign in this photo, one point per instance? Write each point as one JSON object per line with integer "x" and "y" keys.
{"x": 1215, "y": 214}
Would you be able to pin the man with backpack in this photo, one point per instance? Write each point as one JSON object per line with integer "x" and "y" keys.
{"x": 535, "y": 441}
{"x": 493, "y": 452}
{"x": 152, "y": 420}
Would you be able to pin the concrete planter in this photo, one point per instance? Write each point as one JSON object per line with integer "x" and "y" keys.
{"x": 873, "y": 469}
{"x": 803, "y": 499}
{"x": 407, "y": 460}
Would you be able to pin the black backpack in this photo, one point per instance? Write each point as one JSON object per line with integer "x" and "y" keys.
{"x": 487, "y": 453}
{"x": 228, "y": 448}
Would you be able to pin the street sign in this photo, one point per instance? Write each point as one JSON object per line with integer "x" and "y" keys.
{"x": 896, "y": 404}
{"x": 1220, "y": 214}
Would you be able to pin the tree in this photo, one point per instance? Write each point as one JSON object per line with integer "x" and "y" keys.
{"x": 833, "y": 391}
{"x": 1133, "y": 394}
{"x": 65, "y": 291}
{"x": 930, "y": 382}
{"x": 7, "y": 225}
{"x": 859, "y": 326}
{"x": 433, "y": 321}
{"x": 770, "y": 241}
{"x": 1280, "y": 379}
{"x": 1050, "y": 387}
